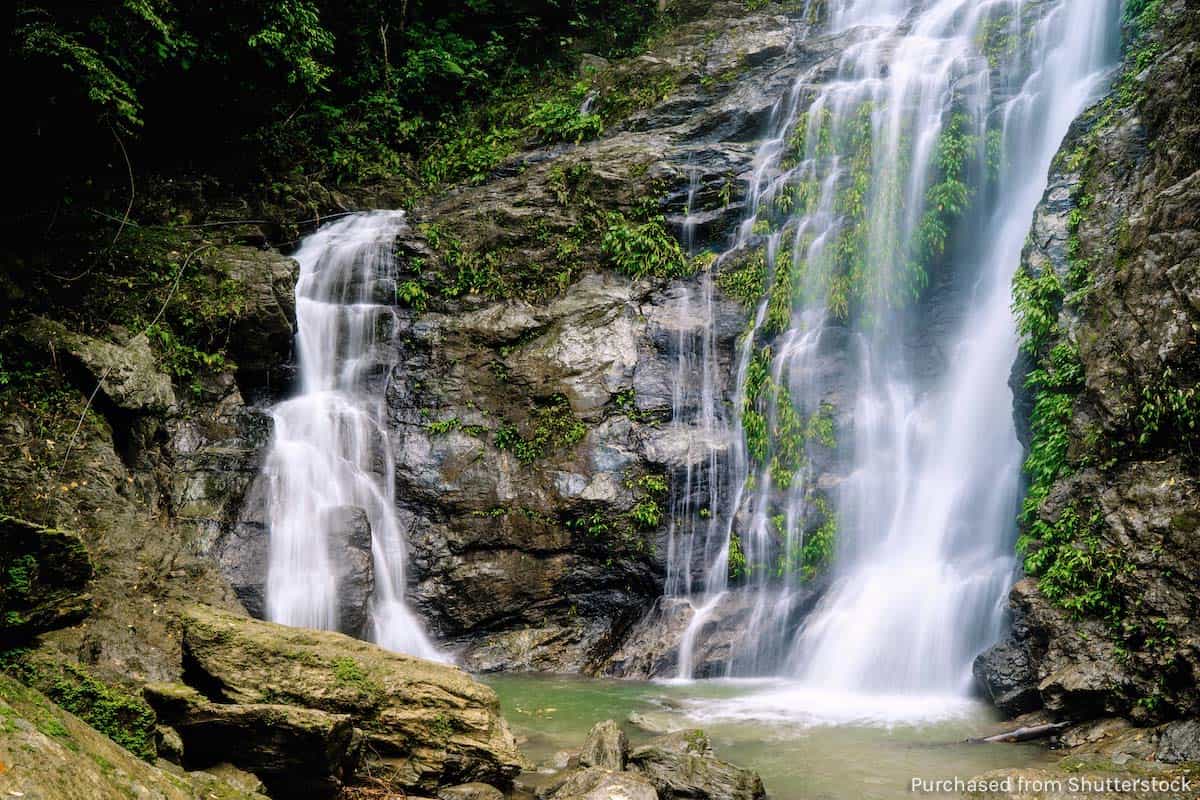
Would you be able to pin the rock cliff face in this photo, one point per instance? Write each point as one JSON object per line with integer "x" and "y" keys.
{"x": 1109, "y": 295}
{"x": 530, "y": 412}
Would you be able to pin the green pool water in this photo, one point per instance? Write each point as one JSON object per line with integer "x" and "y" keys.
{"x": 805, "y": 743}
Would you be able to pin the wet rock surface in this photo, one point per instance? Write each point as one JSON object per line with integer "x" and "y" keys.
{"x": 354, "y": 578}
{"x": 1120, "y": 211}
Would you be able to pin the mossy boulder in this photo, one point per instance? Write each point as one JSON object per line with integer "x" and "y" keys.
{"x": 127, "y": 373}
{"x": 49, "y": 753}
{"x": 113, "y": 709}
{"x": 424, "y": 724}
{"x": 43, "y": 579}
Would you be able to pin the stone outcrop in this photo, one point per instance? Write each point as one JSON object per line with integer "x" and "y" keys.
{"x": 606, "y": 747}
{"x": 672, "y": 767}
{"x": 44, "y": 572}
{"x": 1112, "y": 628}
{"x": 682, "y": 765}
{"x": 48, "y": 753}
{"x": 594, "y": 783}
{"x": 651, "y": 648}
{"x": 420, "y": 725}
{"x": 294, "y": 751}
{"x": 261, "y": 333}
{"x": 123, "y": 367}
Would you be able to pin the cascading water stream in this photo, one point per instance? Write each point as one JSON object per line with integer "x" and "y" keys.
{"x": 887, "y": 211}
{"x": 330, "y": 450}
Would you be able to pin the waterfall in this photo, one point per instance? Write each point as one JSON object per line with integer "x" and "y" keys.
{"x": 330, "y": 468}
{"x": 873, "y": 448}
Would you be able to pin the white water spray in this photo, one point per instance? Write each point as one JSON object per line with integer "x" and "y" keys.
{"x": 925, "y": 514}
{"x": 330, "y": 448}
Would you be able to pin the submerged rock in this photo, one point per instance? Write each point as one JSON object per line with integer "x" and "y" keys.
{"x": 422, "y": 725}
{"x": 470, "y": 791}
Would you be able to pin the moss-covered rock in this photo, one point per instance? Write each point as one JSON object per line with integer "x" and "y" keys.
{"x": 118, "y": 711}
{"x": 1109, "y": 385}
{"x": 49, "y": 753}
{"x": 126, "y": 368}
{"x": 423, "y": 724}
{"x": 43, "y": 579}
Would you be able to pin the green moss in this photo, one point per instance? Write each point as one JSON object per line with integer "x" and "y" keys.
{"x": 997, "y": 38}
{"x": 441, "y": 727}
{"x": 443, "y": 426}
{"x": 123, "y": 717}
{"x": 350, "y": 674}
{"x": 18, "y": 578}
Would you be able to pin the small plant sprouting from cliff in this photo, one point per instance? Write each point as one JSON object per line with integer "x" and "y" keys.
{"x": 739, "y": 567}
{"x": 554, "y": 427}
{"x": 1168, "y": 409}
{"x": 643, "y": 250}
{"x": 819, "y": 543}
{"x": 562, "y": 118}
{"x": 745, "y": 280}
{"x": 412, "y": 294}
{"x": 650, "y": 490}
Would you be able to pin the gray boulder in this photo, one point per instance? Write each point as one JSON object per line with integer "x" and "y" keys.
{"x": 470, "y": 791}
{"x": 350, "y": 552}
{"x": 682, "y": 765}
{"x": 606, "y": 747}
{"x": 1180, "y": 742}
{"x": 600, "y": 784}
{"x": 127, "y": 374}
{"x": 1007, "y": 676}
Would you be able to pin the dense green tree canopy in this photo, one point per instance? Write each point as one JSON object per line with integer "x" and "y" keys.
{"x": 259, "y": 86}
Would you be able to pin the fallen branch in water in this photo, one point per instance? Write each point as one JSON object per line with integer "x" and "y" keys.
{"x": 1024, "y": 734}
